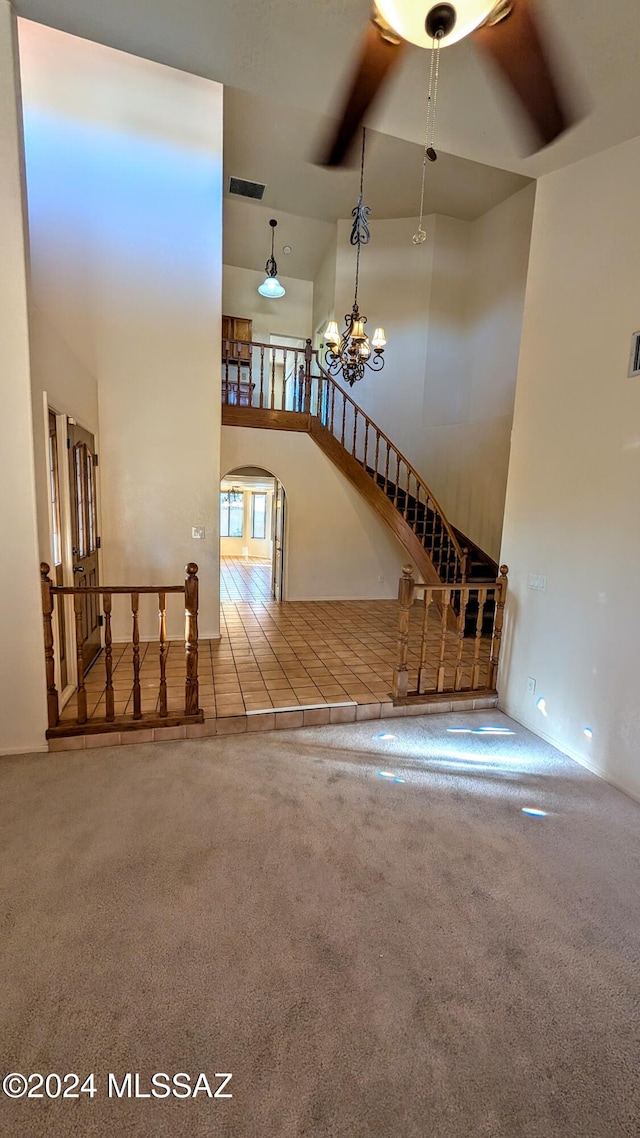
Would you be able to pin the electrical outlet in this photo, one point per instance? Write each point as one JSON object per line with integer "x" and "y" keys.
{"x": 381, "y": 578}
{"x": 531, "y": 685}
{"x": 197, "y": 532}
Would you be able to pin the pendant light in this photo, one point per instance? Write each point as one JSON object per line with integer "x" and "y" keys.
{"x": 271, "y": 286}
{"x": 349, "y": 352}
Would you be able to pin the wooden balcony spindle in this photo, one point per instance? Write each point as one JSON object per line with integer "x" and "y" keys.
{"x": 446, "y": 601}
{"x": 251, "y": 383}
{"x": 78, "y": 604}
{"x": 283, "y": 394}
{"x": 308, "y": 360}
{"x": 135, "y": 639}
{"x": 272, "y": 404}
{"x": 239, "y": 357}
{"x": 110, "y": 712}
{"x": 262, "y": 375}
{"x": 475, "y": 669}
{"x": 386, "y": 469}
{"x": 344, "y": 419}
{"x": 406, "y": 593}
{"x": 376, "y": 456}
{"x": 406, "y": 493}
{"x": 191, "y": 639}
{"x": 366, "y": 443}
{"x": 162, "y": 621}
{"x": 496, "y": 639}
{"x": 53, "y": 714}
{"x": 422, "y": 667}
{"x": 395, "y": 497}
{"x": 462, "y": 615}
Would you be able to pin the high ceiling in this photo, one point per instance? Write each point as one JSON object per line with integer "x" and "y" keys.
{"x": 298, "y": 54}
{"x": 283, "y": 64}
{"x": 272, "y": 142}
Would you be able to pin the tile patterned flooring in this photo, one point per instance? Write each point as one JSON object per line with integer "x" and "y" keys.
{"x": 245, "y": 580}
{"x": 295, "y": 655}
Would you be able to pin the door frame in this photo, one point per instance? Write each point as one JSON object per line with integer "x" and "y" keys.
{"x": 284, "y": 546}
{"x": 63, "y": 420}
{"x": 228, "y": 477}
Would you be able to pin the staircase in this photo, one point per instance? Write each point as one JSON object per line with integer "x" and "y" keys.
{"x": 315, "y": 403}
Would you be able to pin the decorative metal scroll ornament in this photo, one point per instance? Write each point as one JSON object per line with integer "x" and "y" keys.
{"x": 351, "y": 351}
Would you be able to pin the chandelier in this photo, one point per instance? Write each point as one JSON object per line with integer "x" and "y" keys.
{"x": 351, "y": 351}
{"x": 271, "y": 286}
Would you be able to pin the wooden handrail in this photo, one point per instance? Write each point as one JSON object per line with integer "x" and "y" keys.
{"x": 311, "y": 402}
{"x": 191, "y": 713}
{"x": 391, "y": 448}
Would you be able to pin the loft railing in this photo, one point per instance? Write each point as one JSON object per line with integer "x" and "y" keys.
{"x": 164, "y": 717}
{"x": 449, "y": 638}
{"x": 273, "y": 377}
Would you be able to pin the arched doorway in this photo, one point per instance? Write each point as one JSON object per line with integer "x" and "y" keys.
{"x": 252, "y": 535}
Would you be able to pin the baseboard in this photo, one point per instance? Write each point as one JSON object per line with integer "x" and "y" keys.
{"x": 580, "y": 759}
{"x": 6, "y": 753}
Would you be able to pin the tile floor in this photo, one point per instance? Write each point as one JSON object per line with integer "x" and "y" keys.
{"x": 299, "y": 654}
{"x": 242, "y": 580}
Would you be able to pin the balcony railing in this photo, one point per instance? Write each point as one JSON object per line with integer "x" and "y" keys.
{"x": 449, "y": 638}
{"x": 162, "y": 715}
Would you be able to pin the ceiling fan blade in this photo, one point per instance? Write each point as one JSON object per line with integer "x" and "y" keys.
{"x": 378, "y": 56}
{"x": 516, "y": 46}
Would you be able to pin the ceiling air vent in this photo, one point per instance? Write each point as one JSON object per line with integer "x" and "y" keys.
{"x": 634, "y": 358}
{"x": 243, "y": 189}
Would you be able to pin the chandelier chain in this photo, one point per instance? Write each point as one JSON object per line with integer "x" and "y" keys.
{"x": 350, "y": 352}
{"x": 429, "y": 131}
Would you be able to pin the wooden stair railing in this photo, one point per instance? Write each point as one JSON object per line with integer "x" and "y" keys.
{"x": 368, "y": 445}
{"x": 438, "y": 657}
{"x": 276, "y": 386}
{"x": 164, "y": 717}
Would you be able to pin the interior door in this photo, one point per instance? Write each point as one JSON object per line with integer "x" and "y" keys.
{"x": 279, "y": 519}
{"x": 84, "y": 521}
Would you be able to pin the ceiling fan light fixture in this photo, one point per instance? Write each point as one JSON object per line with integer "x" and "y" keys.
{"x": 408, "y": 19}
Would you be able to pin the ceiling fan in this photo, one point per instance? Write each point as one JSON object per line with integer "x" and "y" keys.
{"x": 507, "y": 30}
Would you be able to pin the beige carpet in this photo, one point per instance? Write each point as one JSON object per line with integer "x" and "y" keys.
{"x": 367, "y": 957}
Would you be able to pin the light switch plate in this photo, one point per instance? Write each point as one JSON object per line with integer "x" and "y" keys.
{"x": 197, "y": 532}
{"x": 537, "y": 581}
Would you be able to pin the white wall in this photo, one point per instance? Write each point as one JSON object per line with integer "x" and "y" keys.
{"x": 124, "y": 162}
{"x": 336, "y": 546}
{"x": 452, "y": 310}
{"x": 573, "y": 499}
{"x": 290, "y": 315}
{"x": 22, "y": 681}
{"x": 476, "y": 320}
{"x": 324, "y": 288}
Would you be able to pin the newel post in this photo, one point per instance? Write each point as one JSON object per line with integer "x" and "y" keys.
{"x": 308, "y": 358}
{"x": 49, "y": 659}
{"x": 406, "y": 593}
{"x": 191, "y": 638}
{"x": 496, "y": 639}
